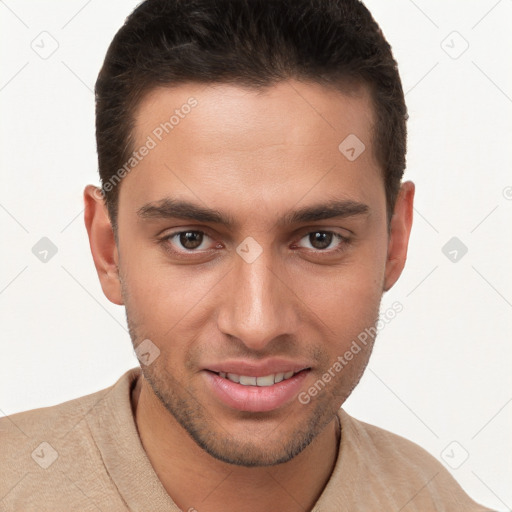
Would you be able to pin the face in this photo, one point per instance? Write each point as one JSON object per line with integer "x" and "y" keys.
{"x": 250, "y": 246}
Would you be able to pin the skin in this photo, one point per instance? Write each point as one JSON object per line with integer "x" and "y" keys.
{"x": 253, "y": 155}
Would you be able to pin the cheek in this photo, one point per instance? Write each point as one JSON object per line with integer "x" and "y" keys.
{"x": 155, "y": 311}
{"x": 350, "y": 294}
{"x": 164, "y": 303}
{"x": 346, "y": 312}
{"x": 154, "y": 289}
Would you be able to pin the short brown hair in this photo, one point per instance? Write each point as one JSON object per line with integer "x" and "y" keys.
{"x": 251, "y": 43}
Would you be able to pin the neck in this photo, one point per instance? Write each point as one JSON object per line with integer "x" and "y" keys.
{"x": 196, "y": 481}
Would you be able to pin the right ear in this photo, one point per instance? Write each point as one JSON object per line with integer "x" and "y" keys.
{"x": 102, "y": 242}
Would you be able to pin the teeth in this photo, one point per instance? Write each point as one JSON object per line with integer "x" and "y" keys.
{"x": 267, "y": 380}
{"x": 248, "y": 381}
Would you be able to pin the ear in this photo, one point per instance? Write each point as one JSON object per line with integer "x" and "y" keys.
{"x": 400, "y": 229}
{"x": 102, "y": 242}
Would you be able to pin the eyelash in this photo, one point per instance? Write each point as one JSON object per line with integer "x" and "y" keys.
{"x": 166, "y": 241}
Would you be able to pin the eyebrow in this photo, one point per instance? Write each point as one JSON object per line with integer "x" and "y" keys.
{"x": 169, "y": 208}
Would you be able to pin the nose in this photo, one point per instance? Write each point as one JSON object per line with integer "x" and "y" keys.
{"x": 259, "y": 304}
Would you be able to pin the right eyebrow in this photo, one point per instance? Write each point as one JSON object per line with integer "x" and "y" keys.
{"x": 169, "y": 208}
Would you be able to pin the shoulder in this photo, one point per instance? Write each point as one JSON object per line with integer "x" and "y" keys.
{"x": 57, "y": 418}
{"x": 57, "y": 421}
{"x": 45, "y": 450}
{"x": 384, "y": 446}
{"x": 405, "y": 470}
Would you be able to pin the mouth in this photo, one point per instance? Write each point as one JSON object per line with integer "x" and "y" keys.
{"x": 255, "y": 393}
{"x": 263, "y": 381}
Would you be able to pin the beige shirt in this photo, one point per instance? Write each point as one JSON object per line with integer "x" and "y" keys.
{"x": 86, "y": 455}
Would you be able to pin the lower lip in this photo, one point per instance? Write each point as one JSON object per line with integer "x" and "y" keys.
{"x": 255, "y": 398}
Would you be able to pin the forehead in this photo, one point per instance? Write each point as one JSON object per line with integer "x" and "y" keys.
{"x": 253, "y": 142}
{"x": 228, "y": 116}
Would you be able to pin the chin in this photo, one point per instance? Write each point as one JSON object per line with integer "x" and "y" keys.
{"x": 245, "y": 441}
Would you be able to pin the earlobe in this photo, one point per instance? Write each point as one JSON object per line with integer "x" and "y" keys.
{"x": 400, "y": 229}
{"x": 102, "y": 242}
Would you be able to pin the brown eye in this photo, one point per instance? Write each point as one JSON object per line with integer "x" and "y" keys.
{"x": 320, "y": 239}
{"x": 323, "y": 241}
{"x": 191, "y": 239}
{"x": 188, "y": 242}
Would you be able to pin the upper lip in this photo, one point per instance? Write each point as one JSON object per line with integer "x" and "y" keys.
{"x": 258, "y": 369}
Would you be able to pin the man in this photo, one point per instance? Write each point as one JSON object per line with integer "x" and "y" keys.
{"x": 250, "y": 218}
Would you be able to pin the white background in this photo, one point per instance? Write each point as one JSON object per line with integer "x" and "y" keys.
{"x": 441, "y": 369}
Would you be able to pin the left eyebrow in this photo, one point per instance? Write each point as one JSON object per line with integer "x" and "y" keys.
{"x": 169, "y": 208}
{"x": 329, "y": 210}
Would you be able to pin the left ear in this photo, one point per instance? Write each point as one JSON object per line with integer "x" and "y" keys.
{"x": 400, "y": 229}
